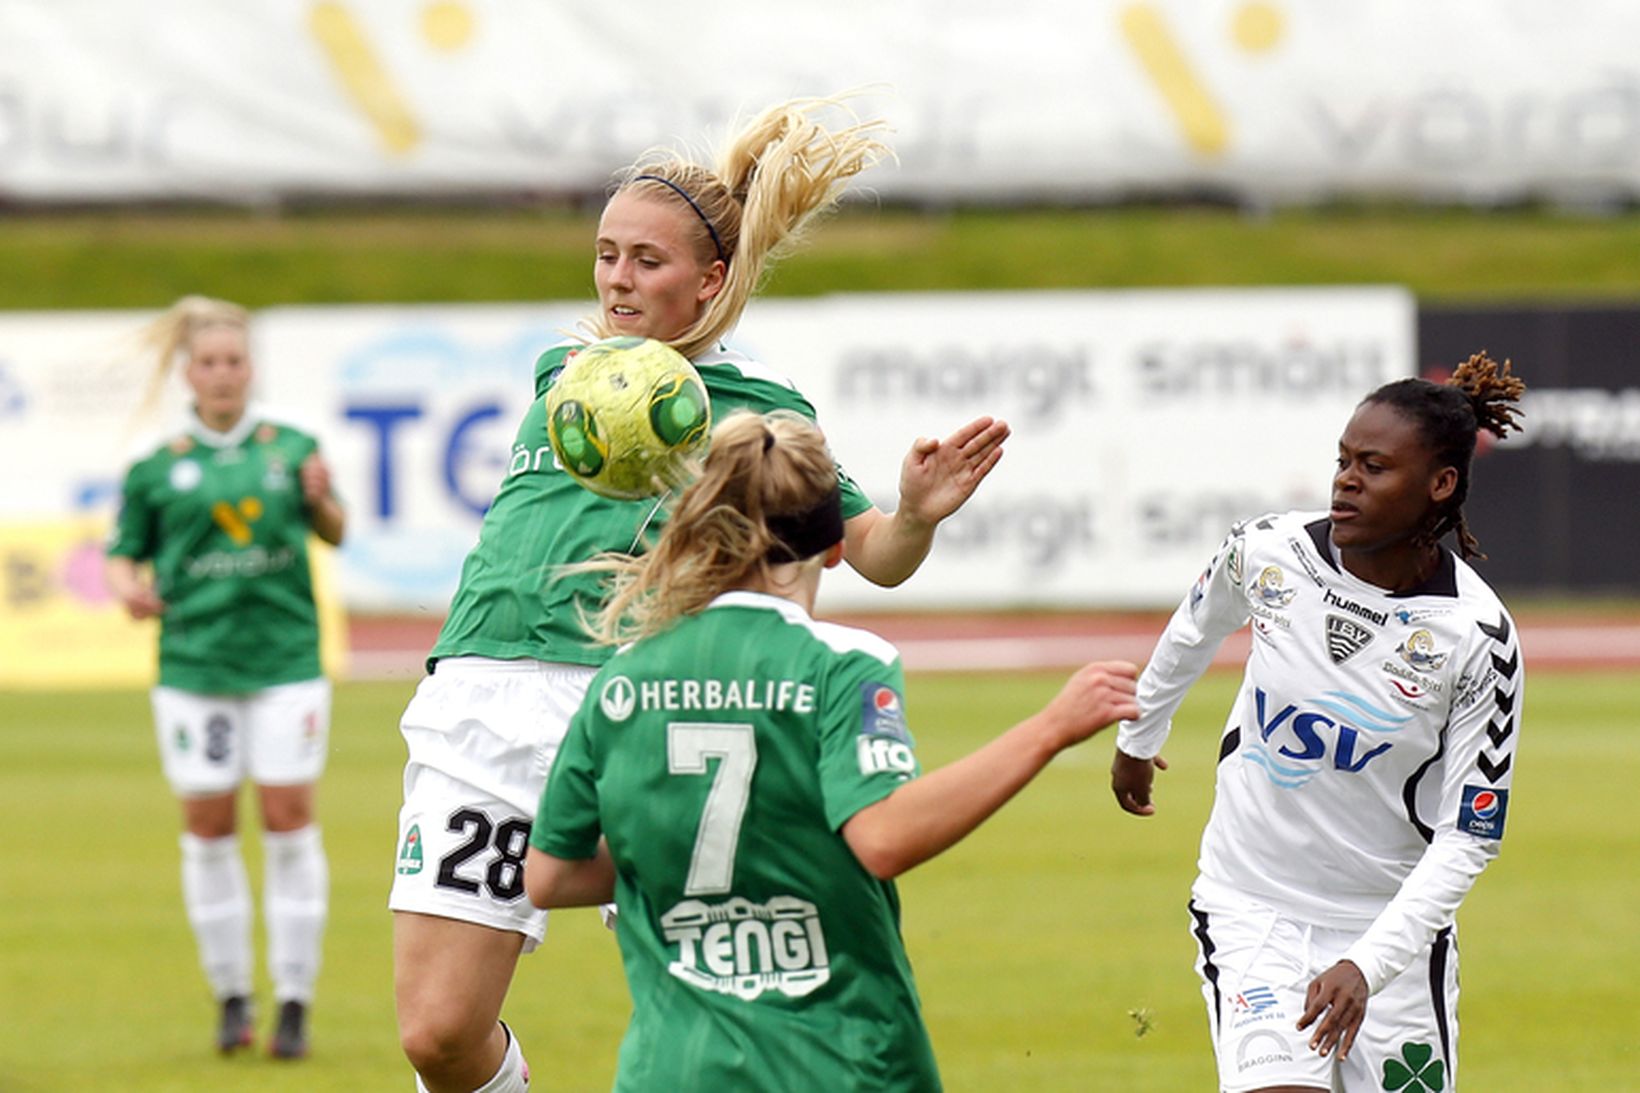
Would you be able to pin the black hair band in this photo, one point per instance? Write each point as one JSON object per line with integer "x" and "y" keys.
{"x": 802, "y": 535}
{"x": 704, "y": 219}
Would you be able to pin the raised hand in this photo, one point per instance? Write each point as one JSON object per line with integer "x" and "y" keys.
{"x": 1097, "y": 696}
{"x": 938, "y": 476}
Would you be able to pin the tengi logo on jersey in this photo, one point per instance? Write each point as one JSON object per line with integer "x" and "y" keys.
{"x": 1345, "y": 638}
{"x": 1482, "y": 811}
{"x": 743, "y": 948}
{"x": 618, "y": 698}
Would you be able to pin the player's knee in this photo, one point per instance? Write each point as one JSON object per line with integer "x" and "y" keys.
{"x": 434, "y": 1044}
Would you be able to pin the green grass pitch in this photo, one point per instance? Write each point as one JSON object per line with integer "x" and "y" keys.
{"x": 1035, "y": 942}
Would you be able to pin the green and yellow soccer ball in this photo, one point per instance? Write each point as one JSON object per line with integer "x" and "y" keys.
{"x": 625, "y": 414}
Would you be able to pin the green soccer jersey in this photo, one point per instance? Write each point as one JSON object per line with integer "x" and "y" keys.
{"x": 510, "y": 604}
{"x": 221, "y": 517}
{"x": 720, "y": 759}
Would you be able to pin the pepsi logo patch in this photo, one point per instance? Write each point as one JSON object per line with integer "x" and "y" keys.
{"x": 1482, "y": 812}
{"x": 882, "y": 713}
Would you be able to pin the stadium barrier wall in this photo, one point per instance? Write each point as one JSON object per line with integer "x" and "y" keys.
{"x": 1557, "y": 506}
{"x": 1145, "y": 422}
{"x": 1267, "y": 100}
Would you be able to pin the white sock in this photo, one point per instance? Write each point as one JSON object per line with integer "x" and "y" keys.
{"x": 218, "y": 898}
{"x": 296, "y": 895}
{"x": 513, "y": 1077}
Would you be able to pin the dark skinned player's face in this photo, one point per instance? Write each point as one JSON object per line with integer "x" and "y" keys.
{"x": 1386, "y": 483}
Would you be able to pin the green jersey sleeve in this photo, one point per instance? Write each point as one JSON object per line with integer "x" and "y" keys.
{"x": 866, "y": 748}
{"x": 566, "y": 821}
{"x": 136, "y": 527}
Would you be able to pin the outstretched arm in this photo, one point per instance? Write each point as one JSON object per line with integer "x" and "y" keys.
{"x": 937, "y": 477}
{"x": 930, "y": 814}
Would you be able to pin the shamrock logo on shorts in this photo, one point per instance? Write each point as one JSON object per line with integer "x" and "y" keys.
{"x": 1417, "y": 1073}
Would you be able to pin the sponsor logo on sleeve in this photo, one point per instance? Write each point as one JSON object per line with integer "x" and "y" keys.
{"x": 884, "y": 744}
{"x": 882, "y": 713}
{"x": 1199, "y": 589}
{"x": 1482, "y": 812}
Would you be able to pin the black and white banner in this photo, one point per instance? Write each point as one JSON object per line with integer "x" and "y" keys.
{"x": 1145, "y": 423}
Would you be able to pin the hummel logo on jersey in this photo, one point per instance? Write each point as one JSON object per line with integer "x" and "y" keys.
{"x": 1360, "y": 611}
{"x": 1345, "y": 637}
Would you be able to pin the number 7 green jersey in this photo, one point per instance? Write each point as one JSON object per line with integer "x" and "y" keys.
{"x": 720, "y": 759}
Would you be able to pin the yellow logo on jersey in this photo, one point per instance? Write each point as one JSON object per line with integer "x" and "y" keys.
{"x": 236, "y": 520}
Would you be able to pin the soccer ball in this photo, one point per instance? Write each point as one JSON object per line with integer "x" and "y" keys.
{"x": 623, "y": 415}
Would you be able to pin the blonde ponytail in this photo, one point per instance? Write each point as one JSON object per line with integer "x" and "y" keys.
{"x": 717, "y": 538}
{"x": 169, "y": 336}
{"x": 771, "y": 180}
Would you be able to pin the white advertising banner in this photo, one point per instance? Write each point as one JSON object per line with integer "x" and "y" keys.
{"x": 1144, "y": 422}
{"x": 103, "y": 100}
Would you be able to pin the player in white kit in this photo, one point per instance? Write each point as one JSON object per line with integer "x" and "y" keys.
{"x": 1364, "y": 771}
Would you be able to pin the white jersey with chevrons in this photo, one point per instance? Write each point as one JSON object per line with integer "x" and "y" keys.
{"x": 1364, "y": 771}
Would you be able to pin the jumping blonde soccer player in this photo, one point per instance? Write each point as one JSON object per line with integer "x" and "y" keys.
{"x": 1364, "y": 771}
{"x": 212, "y": 540}
{"x": 680, "y": 250}
{"x": 743, "y": 782}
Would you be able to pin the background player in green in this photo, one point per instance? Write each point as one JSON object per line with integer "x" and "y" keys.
{"x": 680, "y": 250}
{"x": 221, "y": 509}
{"x": 742, "y": 780}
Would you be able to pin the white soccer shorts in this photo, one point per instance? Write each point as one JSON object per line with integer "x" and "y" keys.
{"x": 209, "y": 744}
{"x": 481, "y": 735}
{"x": 1256, "y": 966}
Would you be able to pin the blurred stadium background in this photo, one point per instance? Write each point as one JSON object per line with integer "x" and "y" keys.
{"x": 1172, "y": 242}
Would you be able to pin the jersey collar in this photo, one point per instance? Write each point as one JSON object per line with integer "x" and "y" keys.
{"x": 1443, "y": 582}
{"x": 213, "y": 439}
{"x": 762, "y": 600}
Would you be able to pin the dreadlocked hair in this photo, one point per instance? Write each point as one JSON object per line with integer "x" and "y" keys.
{"x": 717, "y": 537}
{"x": 1481, "y": 394}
